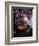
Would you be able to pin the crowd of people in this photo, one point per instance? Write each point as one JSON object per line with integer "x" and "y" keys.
{"x": 26, "y": 17}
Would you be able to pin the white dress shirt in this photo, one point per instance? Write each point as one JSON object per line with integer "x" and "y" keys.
{"x": 29, "y": 21}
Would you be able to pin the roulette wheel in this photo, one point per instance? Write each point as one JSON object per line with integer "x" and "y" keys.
{"x": 21, "y": 26}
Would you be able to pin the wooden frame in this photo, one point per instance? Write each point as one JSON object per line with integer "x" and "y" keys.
{"x": 7, "y": 25}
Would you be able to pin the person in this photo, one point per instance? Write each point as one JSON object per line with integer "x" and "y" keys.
{"x": 24, "y": 17}
{"x": 29, "y": 18}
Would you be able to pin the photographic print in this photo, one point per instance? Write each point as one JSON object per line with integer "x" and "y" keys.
{"x": 21, "y": 23}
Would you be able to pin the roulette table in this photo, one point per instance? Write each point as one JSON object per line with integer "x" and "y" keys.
{"x": 21, "y": 26}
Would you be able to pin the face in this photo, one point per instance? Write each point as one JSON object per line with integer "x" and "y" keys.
{"x": 24, "y": 15}
{"x": 29, "y": 16}
{"x": 17, "y": 15}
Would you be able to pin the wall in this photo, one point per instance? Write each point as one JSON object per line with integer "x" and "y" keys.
{"x": 2, "y": 22}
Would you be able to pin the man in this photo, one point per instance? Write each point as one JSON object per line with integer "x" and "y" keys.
{"x": 29, "y": 18}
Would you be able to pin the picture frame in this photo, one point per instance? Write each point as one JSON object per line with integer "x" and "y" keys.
{"x": 14, "y": 10}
